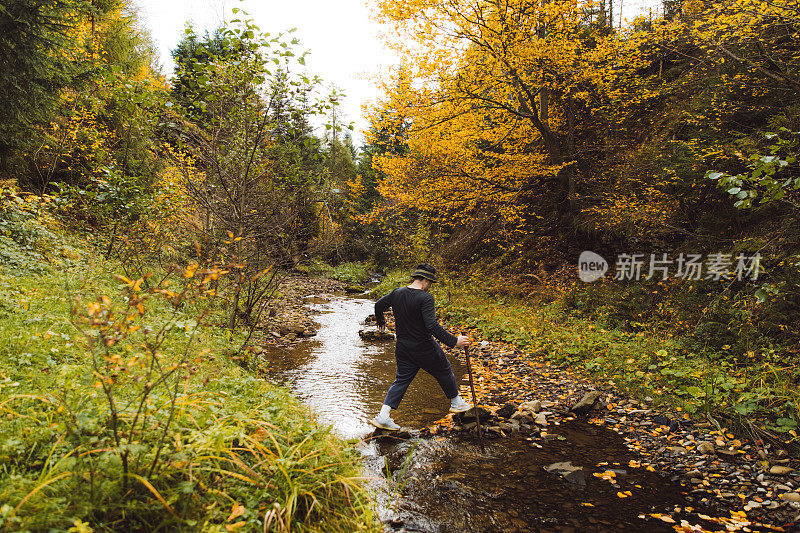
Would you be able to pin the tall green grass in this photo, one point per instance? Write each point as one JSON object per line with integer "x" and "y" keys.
{"x": 192, "y": 441}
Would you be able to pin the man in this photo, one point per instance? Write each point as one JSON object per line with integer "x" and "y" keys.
{"x": 415, "y": 326}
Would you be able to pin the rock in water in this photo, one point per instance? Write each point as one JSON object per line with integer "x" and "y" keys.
{"x": 386, "y": 434}
{"x": 778, "y": 470}
{"x": 375, "y": 335}
{"x": 586, "y": 404}
{"x": 354, "y": 289}
{"x": 573, "y": 474}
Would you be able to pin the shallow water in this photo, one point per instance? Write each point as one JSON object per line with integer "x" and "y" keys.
{"x": 344, "y": 379}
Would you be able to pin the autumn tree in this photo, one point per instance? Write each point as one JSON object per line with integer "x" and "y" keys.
{"x": 252, "y": 162}
{"x": 497, "y": 95}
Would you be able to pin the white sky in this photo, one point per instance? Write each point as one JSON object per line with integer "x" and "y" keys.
{"x": 346, "y": 50}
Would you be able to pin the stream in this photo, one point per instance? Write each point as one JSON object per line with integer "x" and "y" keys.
{"x": 440, "y": 484}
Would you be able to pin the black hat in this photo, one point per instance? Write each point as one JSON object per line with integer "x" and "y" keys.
{"x": 425, "y": 271}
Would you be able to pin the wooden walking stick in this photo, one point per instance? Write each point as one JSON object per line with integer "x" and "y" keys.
{"x": 474, "y": 398}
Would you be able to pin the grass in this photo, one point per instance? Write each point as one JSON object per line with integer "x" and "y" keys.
{"x": 120, "y": 410}
{"x": 392, "y": 280}
{"x": 353, "y": 272}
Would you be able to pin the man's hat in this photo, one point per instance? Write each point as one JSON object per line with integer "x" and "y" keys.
{"x": 425, "y": 271}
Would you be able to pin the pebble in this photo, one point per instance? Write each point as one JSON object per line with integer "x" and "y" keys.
{"x": 778, "y": 470}
{"x": 706, "y": 448}
{"x": 533, "y": 407}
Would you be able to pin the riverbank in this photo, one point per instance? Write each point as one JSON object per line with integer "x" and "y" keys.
{"x": 122, "y": 410}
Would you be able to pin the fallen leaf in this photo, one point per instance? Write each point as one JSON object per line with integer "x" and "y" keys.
{"x": 663, "y": 517}
{"x": 236, "y": 511}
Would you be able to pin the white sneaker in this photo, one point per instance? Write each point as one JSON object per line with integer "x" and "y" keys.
{"x": 460, "y": 407}
{"x": 384, "y": 423}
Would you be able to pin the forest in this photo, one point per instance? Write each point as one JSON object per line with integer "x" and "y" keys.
{"x": 148, "y": 217}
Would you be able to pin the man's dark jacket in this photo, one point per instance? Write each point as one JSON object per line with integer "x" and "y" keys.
{"x": 415, "y": 324}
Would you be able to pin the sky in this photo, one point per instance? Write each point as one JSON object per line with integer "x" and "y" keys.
{"x": 346, "y": 50}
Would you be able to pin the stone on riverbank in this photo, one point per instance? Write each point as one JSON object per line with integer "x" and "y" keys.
{"x": 706, "y": 448}
{"x": 297, "y": 329}
{"x": 507, "y": 410}
{"x": 534, "y": 406}
{"x": 375, "y": 335}
{"x": 469, "y": 416}
{"x": 586, "y": 403}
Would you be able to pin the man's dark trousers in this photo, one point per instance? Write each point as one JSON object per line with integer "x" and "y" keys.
{"x": 410, "y": 359}
{"x": 415, "y": 327}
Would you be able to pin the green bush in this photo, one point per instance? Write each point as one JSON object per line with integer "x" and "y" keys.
{"x": 352, "y": 272}
{"x": 29, "y": 236}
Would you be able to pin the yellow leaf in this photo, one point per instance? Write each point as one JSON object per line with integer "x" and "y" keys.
{"x": 664, "y": 518}
{"x": 237, "y": 510}
{"x": 622, "y": 495}
{"x": 237, "y": 525}
{"x": 80, "y": 527}
{"x": 190, "y": 270}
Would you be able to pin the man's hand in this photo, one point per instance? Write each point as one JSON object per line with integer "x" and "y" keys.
{"x": 463, "y": 340}
{"x": 382, "y": 327}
